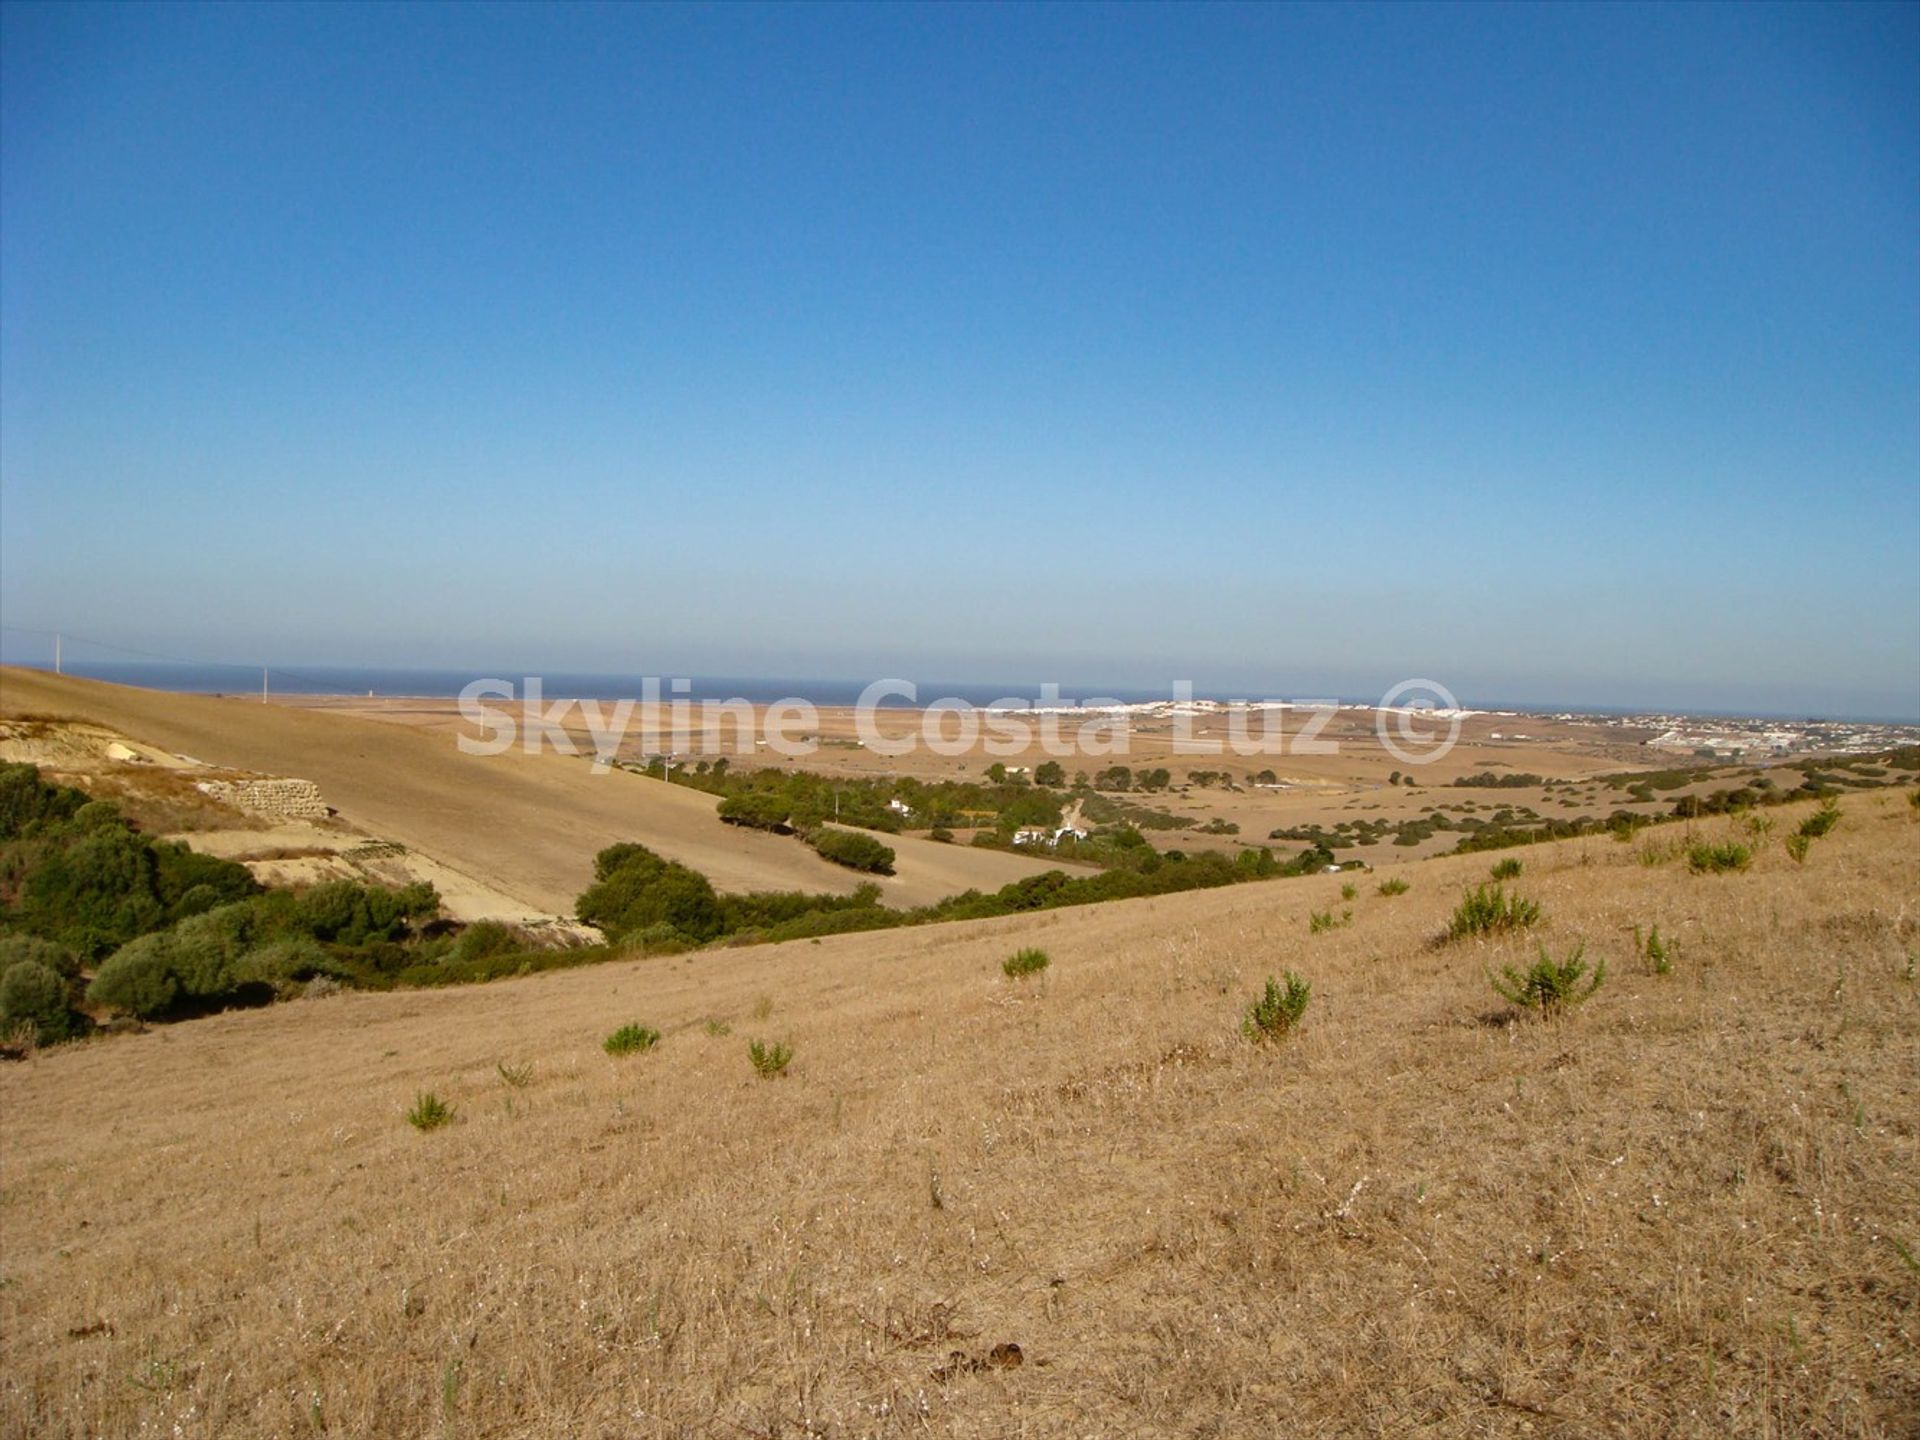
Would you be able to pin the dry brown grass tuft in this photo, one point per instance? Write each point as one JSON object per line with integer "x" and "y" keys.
{"x": 1690, "y": 1207}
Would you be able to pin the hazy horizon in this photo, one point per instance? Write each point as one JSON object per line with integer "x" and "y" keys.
{"x": 981, "y": 688}
{"x": 1566, "y": 356}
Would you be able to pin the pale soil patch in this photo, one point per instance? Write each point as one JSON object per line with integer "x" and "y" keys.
{"x": 1678, "y": 1212}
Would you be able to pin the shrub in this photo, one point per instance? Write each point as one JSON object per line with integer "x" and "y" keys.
{"x": 942, "y": 834}
{"x": 769, "y": 1061}
{"x": 659, "y": 938}
{"x": 1024, "y": 962}
{"x": 1347, "y": 892}
{"x": 27, "y": 802}
{"x": 1507, "y": 869}
{"x": 1659, "y": 952}
{"x": 484, "y": 938}
{"x": 630, "y": 1040}
{"x": 138, "y": 978}
{"x": 854, "y": 850}
{"x": 758, "y": 811}
{"x": 37, "y": 995}
{"x": 1705, "y": 859}
{"x": 1548, "y": 985}
{"x": 1395, "y": 886}
{"x": 1489, "y": 910}
{"x": 57, "y": 958}
{"x": 1798, "y": 845}
{"x": 348, "y": 913}
{"x": 1319, "y": 922}
{"x": 637, "y": 889}
{"x": 93, "y": 894}
{"x": 283, "y": 962}
{"x": 1274, "y": 1015}
{"x": 429, "y": 1112}
{"x": 1821, "y": 821}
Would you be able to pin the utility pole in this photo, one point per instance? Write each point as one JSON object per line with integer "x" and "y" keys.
{"x": 56, "y": 654}
{"x": 263, "y": 684}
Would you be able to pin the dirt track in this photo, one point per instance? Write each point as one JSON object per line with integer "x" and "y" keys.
{"x": 528, "y": 825}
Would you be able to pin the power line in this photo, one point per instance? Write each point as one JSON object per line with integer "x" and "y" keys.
{"x": 303, "y": 676}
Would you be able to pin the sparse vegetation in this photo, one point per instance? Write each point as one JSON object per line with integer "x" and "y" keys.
{"x": 770, "y": 1060}
{"x": 1490, "y": 910}
{"x": 429, "y": 1112}
{"x": 1394, "y": 886}
{"x": 630, "y": 1040}
{"x": 1708, "y": 858}
{"x": 1278, "y": 1010}
{"x": 1507, "y": 869}
{"x": 1797, "y": 846}
{"x": 1822, "y": 820}
{"x": 1659, "y": 953}
{"x": 1029, "y": 961}
{"x": 1550, "y": 986}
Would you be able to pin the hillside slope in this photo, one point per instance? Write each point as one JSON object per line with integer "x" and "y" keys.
{"x": 528, "y": 825}
{"x": 1691, "y": 1208}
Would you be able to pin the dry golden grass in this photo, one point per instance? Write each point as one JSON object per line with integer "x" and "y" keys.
{"x": 527, "y": 826}
{"x": 1679, "y": 1211}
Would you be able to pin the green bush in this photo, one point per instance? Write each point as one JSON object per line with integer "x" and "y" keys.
{"x": 202, "y": 963}
{"x": 1548, "y": 985}
{"x": 1821, "y": 821}
{"x": 1705, "y": 859}
{"x": 283, "y": 962}
{"x": 429, "y": 1112}
{"x": 1395, "y": 886}
{"x": 57, "y": 958}
{"x": 92, "y": 893}
{"x": 1659, "y": 952}
{"x": 659, "y": 938}
{"x": 1489, "y": 910}
{"x": 1798, "y": 845}
{"x": 138, "y": 978}
{"x": 1507, "y": 869}
{"x": 854, "y": 850}
{"x": 637, "y": 889}
{"x": 759, "y": 811}
{"x": 630, "y": 1040}
{"x": 1024, "y": 962}
{"x": 483, "y": 938}
{"x": 769, "y": 1061}
{"x": 1274, "y": 1015}
{"x": 345, "y": 912}
{"x": 37, "y": 995}
{"x": 27, "y": 803}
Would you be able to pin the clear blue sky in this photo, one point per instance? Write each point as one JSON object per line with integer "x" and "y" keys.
{"x": 1558, "y": 353}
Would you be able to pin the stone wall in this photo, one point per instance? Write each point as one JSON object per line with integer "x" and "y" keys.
{"x": 277, "y": 799}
